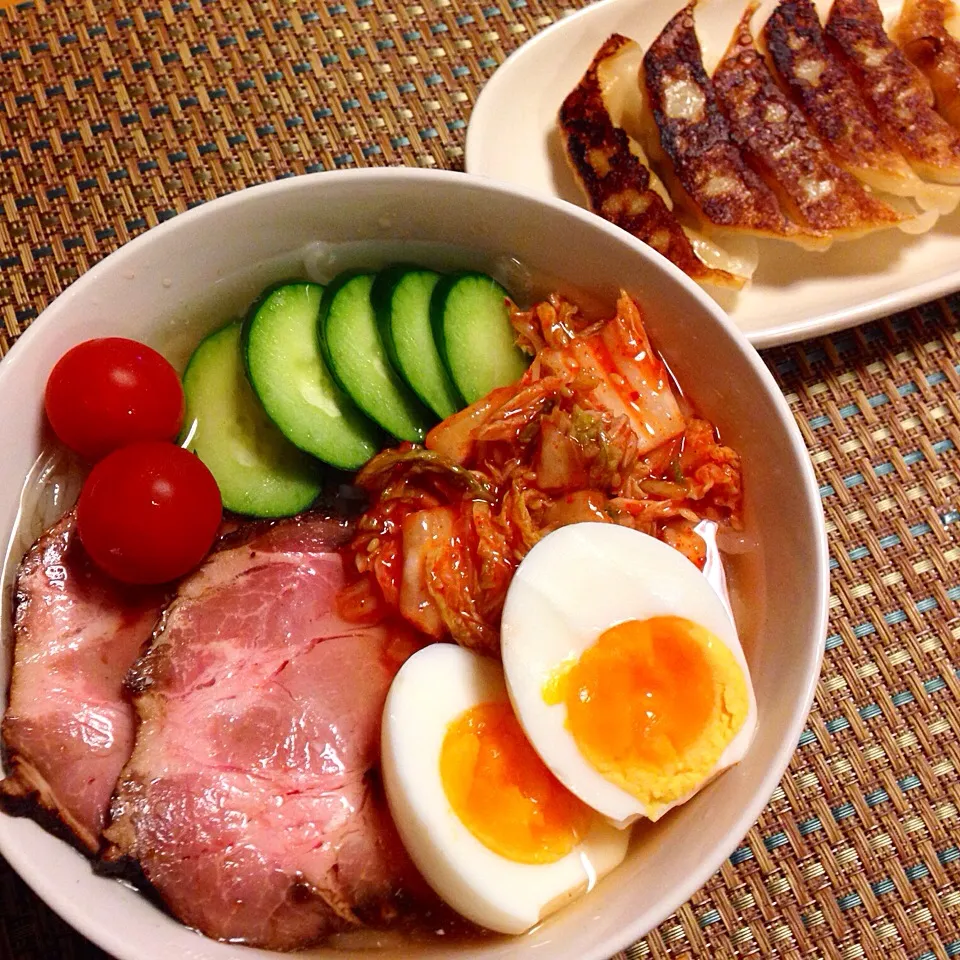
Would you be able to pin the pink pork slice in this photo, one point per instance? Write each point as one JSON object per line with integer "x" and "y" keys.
{"x": 252, "y": 799}
{"x": 68, "y": 728}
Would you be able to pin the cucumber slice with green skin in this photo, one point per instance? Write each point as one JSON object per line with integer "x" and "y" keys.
{"x": 358, "y": 359}
{"x": 259, "y": 472}
{"x": 289, "y": 375}
{"x": 472, "y": 330}
{"x": 401, "y": 300}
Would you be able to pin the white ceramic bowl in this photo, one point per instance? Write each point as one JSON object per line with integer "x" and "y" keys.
{"x": 204, "y": 266}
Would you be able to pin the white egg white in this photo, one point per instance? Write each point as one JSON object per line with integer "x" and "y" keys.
{"x": 573, "y": 585}
{"x": 433, "y": 688}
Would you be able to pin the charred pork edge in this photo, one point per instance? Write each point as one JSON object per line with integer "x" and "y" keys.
{"x": 25, "y": 793}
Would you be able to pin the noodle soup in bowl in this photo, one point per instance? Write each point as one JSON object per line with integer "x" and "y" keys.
{"x": 186, "y": 277}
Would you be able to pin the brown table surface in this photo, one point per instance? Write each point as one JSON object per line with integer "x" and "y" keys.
{"x": 116, "y": 115}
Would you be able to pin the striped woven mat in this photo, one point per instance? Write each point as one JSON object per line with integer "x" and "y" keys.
{"x": 116, "y": 115}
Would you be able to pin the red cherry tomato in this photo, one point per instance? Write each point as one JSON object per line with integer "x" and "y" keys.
{"x": 149, "y": 512}
{"x": 106, "y": 393}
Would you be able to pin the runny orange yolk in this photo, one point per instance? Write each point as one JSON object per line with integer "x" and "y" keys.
{"x": 502, "y": 791}
{"x": 652, "y": 704}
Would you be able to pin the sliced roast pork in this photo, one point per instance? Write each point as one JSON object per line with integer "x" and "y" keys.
{"x": 68, "y": 728}
{"x": 252, "y": 801}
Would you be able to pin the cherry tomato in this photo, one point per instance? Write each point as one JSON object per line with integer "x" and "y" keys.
{"x": 148, "y": 512}
{"x": 103, "y": 394}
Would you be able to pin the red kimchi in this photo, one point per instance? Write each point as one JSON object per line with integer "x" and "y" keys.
{"x": 595, "y": 430}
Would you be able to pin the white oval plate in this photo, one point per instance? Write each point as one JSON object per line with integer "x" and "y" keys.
{"x": 795, "y": 294}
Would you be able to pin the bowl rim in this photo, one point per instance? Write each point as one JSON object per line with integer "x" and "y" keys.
{"x": 59, "y": 900}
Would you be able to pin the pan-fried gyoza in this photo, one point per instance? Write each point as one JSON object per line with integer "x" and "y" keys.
{"x": 896, "y": 91}
{"x": 927, "y": 32}
{"x": 614, "y": 173}
{"x": 705, "y": 169}
{"x": 773, "y": 134}
{"x": 830, "y": 100}
{"x": 800, "y": 132}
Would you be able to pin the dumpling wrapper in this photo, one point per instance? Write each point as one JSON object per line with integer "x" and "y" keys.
{"x": 928, "y": 32}
{"x": 614, "y": 172}
{"x": 623, "y": 95}
{"x": 691, "y": 141}
{"x": 792, "y": 38}
{"x": 898, "y": 94}
{"x": 793, "y": 161}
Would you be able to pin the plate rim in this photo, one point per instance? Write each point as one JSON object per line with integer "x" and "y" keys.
{"x": 796, "y": 331}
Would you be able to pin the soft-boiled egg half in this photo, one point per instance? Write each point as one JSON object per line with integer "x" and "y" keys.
{"x": 489, "y": 827}
{"x": 625, "y": 670}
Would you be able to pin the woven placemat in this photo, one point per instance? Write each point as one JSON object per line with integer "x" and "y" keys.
{"x": 116, "y": 115}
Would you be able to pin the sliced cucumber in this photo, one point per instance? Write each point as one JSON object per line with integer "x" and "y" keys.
{"x": 358, "y": 359}
{"x": 288, "y": 374}
{"x": 259, "y": 472}
{"x": 472, "y": 330}
{"x": 401, "y": 300}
